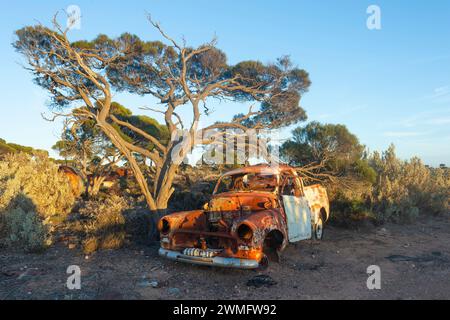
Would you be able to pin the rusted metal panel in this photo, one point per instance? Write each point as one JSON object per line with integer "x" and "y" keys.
{"x": 318, "y": 199}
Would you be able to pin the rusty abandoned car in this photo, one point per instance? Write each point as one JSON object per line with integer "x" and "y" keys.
{"x": 253, "y": 214}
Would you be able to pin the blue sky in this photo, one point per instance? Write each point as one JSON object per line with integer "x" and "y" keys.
{"x": 388, "y": 85}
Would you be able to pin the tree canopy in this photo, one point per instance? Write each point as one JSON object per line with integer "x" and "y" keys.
{"x": 332, "y": 147}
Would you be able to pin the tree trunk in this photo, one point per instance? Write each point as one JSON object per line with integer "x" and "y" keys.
{"x": 94, "y": 188}
{"x": 112, "y": 134}
{"x": 157, "y": 202}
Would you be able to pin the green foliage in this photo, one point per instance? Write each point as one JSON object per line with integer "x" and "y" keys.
{"x": 351, "y": 211}
{"x": 364, "y": 171}
{"x": 119, "y": 110}
{"x": 318, "y": 142}
{"x": 145, "y": 123}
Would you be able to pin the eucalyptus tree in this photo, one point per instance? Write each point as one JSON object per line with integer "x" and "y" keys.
{"x": 176, "y": 75}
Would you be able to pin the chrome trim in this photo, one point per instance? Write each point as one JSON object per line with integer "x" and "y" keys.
{"x": 216, "y": 261}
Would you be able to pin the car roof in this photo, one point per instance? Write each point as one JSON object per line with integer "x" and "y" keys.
{"x": 262, "y": 168}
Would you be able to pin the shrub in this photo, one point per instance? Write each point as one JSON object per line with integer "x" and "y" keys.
{"x": 406, "y": 189}
{"x": 37, "y": 178}
{"x": 349, "y": 210}
{"x": 34, "y": 197}
{"x": 25, "y": 230}
{"x": 398, "y": 191}
{"x": 102, "y": 223}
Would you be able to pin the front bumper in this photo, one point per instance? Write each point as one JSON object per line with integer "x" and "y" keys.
{"x": 215, "y": 261}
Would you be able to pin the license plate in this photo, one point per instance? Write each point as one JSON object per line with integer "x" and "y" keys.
{"x": 195, "y": 252}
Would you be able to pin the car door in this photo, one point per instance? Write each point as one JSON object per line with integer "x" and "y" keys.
{"x": 298, "y": 213}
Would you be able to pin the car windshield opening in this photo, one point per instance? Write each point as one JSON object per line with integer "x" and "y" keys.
{"x": 245, "y": 182}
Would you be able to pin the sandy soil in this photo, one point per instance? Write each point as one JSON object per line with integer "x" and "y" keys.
{"x": 414, "y": 262}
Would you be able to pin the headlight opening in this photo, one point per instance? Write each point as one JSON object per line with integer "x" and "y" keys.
{"x": 164, "y": 226}
{"x": 244, "y": 232}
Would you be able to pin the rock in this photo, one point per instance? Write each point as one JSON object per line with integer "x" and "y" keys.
{"x": 174, "y": 291}
{"x": 382, "y": 232}
{"x": 146, "y": 284}
{"x": 22, "y": 275}
{"x": 260, "y": 281}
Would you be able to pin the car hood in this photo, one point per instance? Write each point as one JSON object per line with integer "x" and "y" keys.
{"x": 235, "y": 201}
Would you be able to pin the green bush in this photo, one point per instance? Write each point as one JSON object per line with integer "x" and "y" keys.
{"x": 25, "y": 230}
{"x": 34, "y": 197}
{"x": 351, "y": 211}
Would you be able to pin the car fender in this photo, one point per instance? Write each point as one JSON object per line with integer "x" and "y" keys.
{"x": 262, "y": 223}
{"x": 184, "y": 219}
